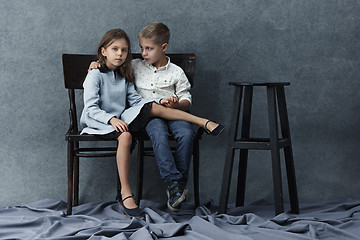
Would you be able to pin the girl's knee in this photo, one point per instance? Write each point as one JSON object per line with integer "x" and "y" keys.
{"x": 125, "y": 138}
{"x": 155, "y": 109}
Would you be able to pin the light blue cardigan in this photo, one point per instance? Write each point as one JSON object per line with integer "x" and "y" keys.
{"x": 108, "y": 94}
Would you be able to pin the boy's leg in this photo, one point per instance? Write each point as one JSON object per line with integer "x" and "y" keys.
{"x": 184, "y": 134}
{"x": 158, "y": 131}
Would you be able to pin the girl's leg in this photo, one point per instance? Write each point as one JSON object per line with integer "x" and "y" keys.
{"x": 175, "y": 114}
{"x": 123, "y": 164}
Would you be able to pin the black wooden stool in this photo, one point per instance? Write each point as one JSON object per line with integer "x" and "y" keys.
{"x": 275, "y": 98}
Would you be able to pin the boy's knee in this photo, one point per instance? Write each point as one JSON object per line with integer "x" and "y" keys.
{"x": 158, "y": 135}
{"x": 187, "y": 135}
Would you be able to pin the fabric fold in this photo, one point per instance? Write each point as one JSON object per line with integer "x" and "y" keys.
{"x": 46, "y": 219}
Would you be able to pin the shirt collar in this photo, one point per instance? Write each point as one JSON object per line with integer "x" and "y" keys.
{"x": 105, "y": 69}
{"x": 163, "y": 68}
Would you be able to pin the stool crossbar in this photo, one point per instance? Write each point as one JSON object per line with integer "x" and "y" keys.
{"x": 276, "y": 106}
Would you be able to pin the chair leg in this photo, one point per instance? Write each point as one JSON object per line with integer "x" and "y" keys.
{"x": 70, "y": 162}
{"x": 76, "y": 177}
{"x": 289, "y": 159}
{"x": 140, "y": 171}
{"x": 196, "y": 172}
{"x": 229, "y": 159}
{"x": 275, "y": 153}
{"x": 118, "y": 188}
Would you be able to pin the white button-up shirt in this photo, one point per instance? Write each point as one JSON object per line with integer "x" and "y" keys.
{"x": 169, "y": 80}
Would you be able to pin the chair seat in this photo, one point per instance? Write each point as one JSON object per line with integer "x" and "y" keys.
{"x": 76, "y": 136}
{"x": 145, "y": 137}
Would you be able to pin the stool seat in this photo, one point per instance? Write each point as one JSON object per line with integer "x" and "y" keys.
{"x": 276, "y": 106}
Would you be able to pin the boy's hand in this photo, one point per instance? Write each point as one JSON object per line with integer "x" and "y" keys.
{"x": 171, "y": 102}
{"x": 94, "y": 65}
{"x": 120, "y": 126}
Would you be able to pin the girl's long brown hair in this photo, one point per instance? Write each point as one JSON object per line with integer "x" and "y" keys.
{"x": 108, "y": 38}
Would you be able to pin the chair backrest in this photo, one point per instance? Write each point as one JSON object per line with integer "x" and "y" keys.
{"x": 75, "y": 68}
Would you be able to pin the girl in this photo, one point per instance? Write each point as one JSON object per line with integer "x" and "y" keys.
{"x": 114, "y": 110}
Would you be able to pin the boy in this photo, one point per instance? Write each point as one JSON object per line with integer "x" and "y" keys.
{"x": 156, "y": 77}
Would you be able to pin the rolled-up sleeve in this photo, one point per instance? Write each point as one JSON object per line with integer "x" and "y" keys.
{"x": 182, "y": 87}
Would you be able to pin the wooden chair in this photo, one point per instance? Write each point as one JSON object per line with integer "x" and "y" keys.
{"x": 75, "y": 70}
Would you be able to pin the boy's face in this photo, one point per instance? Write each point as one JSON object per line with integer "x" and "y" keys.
{"x": 152, "y": 52}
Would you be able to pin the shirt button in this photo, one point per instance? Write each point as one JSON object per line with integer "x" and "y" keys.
{"x": 155, "y": 71}
{"x": 153, "y": 91}
{"x": 152, "y": 84}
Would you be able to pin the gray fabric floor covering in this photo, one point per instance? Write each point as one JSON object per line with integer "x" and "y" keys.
{"x": 46, "y": 219}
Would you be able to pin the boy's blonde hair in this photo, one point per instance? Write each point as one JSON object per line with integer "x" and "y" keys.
{"x": 158, "y": 32}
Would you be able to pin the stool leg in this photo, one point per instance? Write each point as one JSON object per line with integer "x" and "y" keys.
{"x": 243, "y": 159}
{"x": 289, "y": 159}
{"x": 140, "y": 171}
{"x": 196, "y": 172}
{"x": 229, "y": 159}
{"x": 275, "y": 153}
{"x": 70, "y": 173}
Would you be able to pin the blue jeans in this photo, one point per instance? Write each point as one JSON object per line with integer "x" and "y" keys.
{"x": 172, "y": 167}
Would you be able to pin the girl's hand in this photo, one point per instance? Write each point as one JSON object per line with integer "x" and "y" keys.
{"x": 120, "y": 126}
{"x": 171, "y": 102}
{"x": 94, "y": 65}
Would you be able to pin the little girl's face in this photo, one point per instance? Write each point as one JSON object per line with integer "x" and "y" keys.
{"x": 116, "y": 53}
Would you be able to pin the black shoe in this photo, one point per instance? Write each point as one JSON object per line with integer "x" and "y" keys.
{"x": 176, "y": 196}
{"x": 216, "y": 132}
{"x": 131, "y": 212}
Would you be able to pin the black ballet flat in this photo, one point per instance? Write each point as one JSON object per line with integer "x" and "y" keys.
{"x": 216, "y": 132}
{"x": 131, "y": 212}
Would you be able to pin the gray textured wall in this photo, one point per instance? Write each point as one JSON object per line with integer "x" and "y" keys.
{"x": 313, "y": 44}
